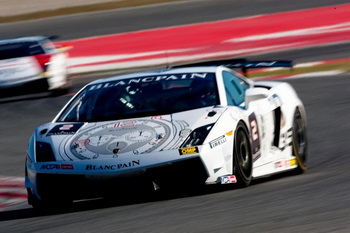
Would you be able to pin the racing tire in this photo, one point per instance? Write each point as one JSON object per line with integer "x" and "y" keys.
{"x": 299, "y": 141}
{"x": 49, "y": 206}
{"x": 61, "y": 90}
{"x": 242, "y": 156}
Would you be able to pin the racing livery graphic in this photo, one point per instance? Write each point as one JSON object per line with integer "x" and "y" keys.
{"x": 141, "y": 136}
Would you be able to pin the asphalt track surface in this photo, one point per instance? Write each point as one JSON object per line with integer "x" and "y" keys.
{"x": 316, "y": 201}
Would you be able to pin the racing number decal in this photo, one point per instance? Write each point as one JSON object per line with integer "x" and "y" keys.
{"x": 254, "y": 127}
{"x": 255, "y": 136}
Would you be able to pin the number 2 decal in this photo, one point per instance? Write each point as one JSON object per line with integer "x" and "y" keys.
{"x": 254, "y": 129}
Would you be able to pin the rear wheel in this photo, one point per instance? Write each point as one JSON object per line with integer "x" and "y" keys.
{"x": 242, "y": 157}
{"x": 299, "y": 141}
{"x": 63, "y": 90}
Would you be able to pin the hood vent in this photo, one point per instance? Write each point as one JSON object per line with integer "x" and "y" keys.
{"x": 212, "y": 113}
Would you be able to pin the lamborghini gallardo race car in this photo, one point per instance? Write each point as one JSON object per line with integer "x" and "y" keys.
{"x": 197, "y": 124}
{"x": 33, "y": 64}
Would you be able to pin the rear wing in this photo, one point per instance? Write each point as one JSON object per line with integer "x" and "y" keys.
{"x": 242, "y": 64}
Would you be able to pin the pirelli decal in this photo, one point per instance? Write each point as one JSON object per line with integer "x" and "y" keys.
{"x": 218, "y": 141}
{"x": 188, "y": 150}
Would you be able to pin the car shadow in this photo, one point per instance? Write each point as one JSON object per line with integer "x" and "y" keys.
{"x": 28, "y": 96}
{"x": 134, "y": 198}
{"x": 23, "y": 97}
{"x": 102, "y": 203}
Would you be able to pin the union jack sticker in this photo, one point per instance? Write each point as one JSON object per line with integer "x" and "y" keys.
{"x": 228, "y": 180}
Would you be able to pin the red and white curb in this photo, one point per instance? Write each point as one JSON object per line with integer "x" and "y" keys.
{"x": 12, "y": 191}
{"x": 212, "y": 40}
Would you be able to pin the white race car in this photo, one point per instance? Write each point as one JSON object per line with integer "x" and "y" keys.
{"x": 201, "y": 124}
{"x": 33, "y": 64}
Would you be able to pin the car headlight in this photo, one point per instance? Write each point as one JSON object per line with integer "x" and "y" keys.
{"x": 29, "y": 161}
{"x": 44, "y": 152}
{"x": 197, "y": 136}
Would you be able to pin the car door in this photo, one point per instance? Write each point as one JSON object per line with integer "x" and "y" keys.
{"x": 266, "y": 107}
{"x": 235, "y": 88}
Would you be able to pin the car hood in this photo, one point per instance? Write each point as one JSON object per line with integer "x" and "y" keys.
{"x": 109, "y": 139}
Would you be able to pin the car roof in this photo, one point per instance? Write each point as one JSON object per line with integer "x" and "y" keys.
{"x": 23, "y": 39}
{"x": 199, "y": 69}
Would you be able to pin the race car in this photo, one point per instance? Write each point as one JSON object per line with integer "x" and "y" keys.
{"x": 32, "y": 64}
{"x": 198, "y": 124}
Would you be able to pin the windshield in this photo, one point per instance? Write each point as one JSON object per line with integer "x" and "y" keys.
{"x": 21, "y": 49}
{"x": 144, "y": 96}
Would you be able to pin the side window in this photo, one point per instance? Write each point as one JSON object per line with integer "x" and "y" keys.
{"x": 234, "y": 87}
{"x": 48, "y": 46}
{"x": 34, "y": 48}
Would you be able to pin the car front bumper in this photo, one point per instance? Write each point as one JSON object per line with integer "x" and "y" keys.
{"x": 99, "y": 177}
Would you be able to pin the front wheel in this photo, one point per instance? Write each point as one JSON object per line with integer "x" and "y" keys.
{"x": 242, "y": 156}
{"x": 49, "y": 205}
{"x": 299, "y": 141}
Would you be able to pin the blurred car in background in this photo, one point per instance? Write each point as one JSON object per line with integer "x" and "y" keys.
{"x": 32, "y": 64}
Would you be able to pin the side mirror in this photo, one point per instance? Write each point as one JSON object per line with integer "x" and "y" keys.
{"x": 257, "y": 93}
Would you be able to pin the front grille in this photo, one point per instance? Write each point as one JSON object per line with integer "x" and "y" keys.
{"x": 53, "y": 186}
{"x": 185, "y": 173}
{"x": 182, "y": 173}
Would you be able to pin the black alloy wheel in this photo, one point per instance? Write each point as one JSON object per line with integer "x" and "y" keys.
{"x": 242, "y": 156}
{"x": 299, "y": 141}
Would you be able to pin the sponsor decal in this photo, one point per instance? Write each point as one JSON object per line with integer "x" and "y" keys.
{"x": 293, "y": 162}
{"x": 156, "y": 118}
{"x": 228, "y": 180}
{"x": 64, "y": 129}
{"x": 124, "y": 124}
{"x": 218, "y": 141}
{"x": 286, "y": 163}
{"x": 262, "y": 64}
{"x": 148, "y": 79}
{"x": 279, "y": 164}
{"x": 188, "y": 150}
{"x": 56, "y": 166}
{"x": 112, "y": 167}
